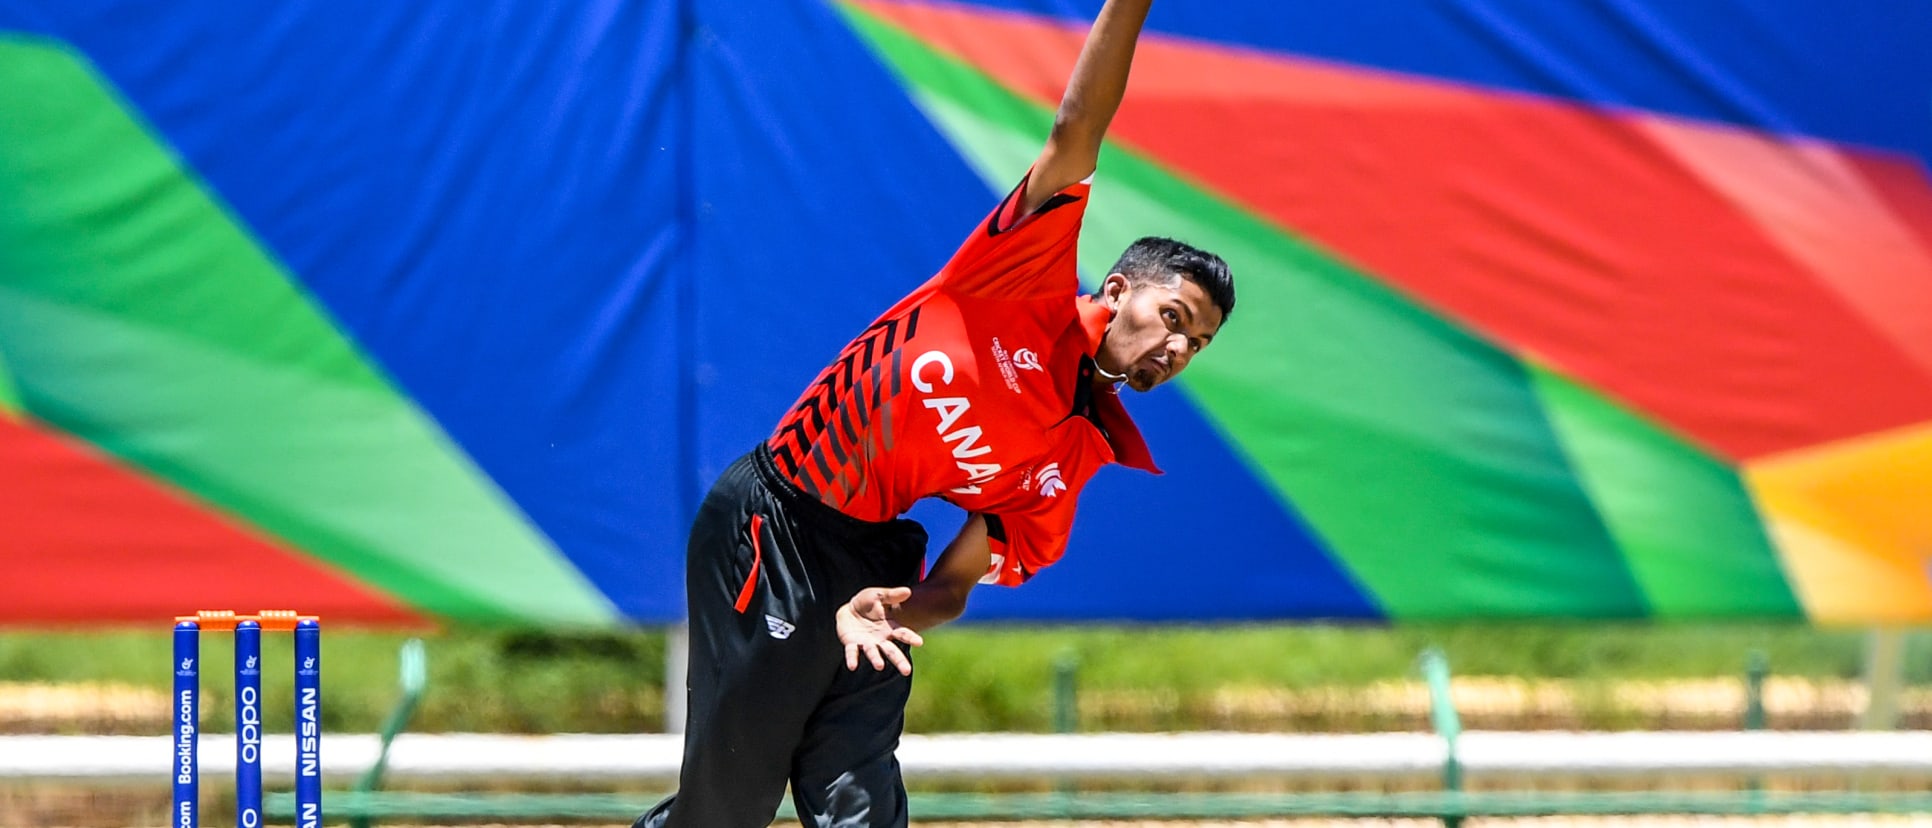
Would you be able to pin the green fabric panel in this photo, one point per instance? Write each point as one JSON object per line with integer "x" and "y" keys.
{"x": 137, "y": 314}
{"x": 1685, "y": 522}
{"x": 9, "y": 397}
{"x": 1418, "y": 452}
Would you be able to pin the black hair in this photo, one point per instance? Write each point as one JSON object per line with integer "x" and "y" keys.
{"x": 1157, "y": 260}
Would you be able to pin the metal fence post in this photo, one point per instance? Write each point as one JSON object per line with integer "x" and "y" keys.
{"x": 677, "y": 661}
{"x": 1066, "y": 692}
{"x": 1066, "y": 713}
{"x": 1448, "y": 725}
{"x": 1756, "y": 667}
{"x": 1884, "y": 678}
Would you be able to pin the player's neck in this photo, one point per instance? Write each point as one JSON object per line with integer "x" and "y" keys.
{"x": 1104, "y": 379}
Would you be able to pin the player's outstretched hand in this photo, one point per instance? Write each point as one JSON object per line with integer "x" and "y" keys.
{"x": 866, "y": 626}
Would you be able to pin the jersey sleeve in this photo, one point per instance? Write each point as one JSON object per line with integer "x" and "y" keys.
{"x": 1023, "y": 256}
{"x": 1022, "y": 545}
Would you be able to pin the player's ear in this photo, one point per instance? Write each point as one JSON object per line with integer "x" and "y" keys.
{"x": 1113, "y": 290}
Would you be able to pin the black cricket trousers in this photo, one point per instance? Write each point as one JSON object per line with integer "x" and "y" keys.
{"x": 770, "y": 699}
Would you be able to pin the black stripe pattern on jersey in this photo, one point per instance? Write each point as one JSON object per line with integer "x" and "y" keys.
{"x": 836, "y": 414}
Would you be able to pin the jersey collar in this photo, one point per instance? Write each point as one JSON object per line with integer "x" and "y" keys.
{"x": 1130, "y": 449}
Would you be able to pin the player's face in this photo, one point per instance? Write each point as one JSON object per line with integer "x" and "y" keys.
{"x": 1157, "y": 329}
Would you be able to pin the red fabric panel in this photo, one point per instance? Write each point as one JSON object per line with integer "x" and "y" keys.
{"x": 1569, "y": 235}
{"x": 1905, "y": 188}
{"x": 84, "y": 540}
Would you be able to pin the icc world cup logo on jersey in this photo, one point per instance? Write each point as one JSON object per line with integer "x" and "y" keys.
{"x": 1048, "y": 479}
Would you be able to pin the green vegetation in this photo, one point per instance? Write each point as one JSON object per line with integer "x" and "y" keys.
{"x": 992, "y": 678}
{"x": 969, "y": 677}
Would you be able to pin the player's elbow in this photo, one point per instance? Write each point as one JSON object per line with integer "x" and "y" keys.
{"x": 1074, "y": 136}
{"x": 948, "y": 600}
{"x": 1070, "y": 156}
{"x": 952, "y": 603}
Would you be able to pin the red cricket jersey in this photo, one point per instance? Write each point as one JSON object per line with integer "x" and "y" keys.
{"x": 966, "y": 391}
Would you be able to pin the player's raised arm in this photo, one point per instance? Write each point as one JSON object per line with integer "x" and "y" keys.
{"x": 1092, "y": 96}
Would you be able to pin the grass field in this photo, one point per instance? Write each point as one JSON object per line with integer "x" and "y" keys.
{"x": 969, "y": 677}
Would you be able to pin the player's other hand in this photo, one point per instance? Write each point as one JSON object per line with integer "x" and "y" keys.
{"x": 866, "y": 626}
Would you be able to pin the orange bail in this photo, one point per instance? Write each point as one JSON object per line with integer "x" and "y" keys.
{"x": 212, "y": 619}
{"x": 282, "y": 619}
{"x": 225, "y": 620}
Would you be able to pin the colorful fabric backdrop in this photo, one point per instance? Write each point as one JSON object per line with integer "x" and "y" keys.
{"x": 394, "y": 311}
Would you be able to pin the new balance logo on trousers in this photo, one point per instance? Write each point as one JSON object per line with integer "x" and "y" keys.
{"x": 779, "y": 627}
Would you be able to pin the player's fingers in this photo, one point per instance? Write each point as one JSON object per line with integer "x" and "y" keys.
{"x": 898, "y": 658}
{"x": 908, "y": 635}
{"x": 872, "y": 652}
{"x": 851, "y": 656}
{"x": 873, "y": 603}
